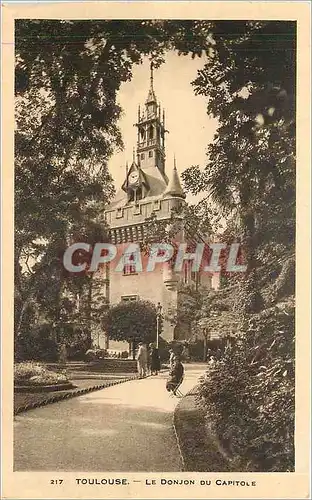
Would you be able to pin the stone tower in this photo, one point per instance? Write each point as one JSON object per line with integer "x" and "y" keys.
{"x": 151, "y": 133}
{"x": 149, "y": 189}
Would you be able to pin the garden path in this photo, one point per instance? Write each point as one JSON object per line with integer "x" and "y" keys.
{"x": 126, "y": 427}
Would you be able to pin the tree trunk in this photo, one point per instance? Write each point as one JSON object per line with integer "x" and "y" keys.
{"x": 89, "y": 307}
{"x": 133, "y": 349}
{"x": 252, "y": 300}
{"x": 57, "y": 316}
{"x": 248, "y": 220}
{"x": 21, "y": 316}
{"x": 205, "y": 347}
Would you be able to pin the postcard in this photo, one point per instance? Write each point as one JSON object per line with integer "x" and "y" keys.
{"x": 156, "y": 273}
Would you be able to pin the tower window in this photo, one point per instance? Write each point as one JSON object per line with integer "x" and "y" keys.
{"x": 150, "y": 154}
{"x": 130, "y": 268}
{"x": 150, "y": 110}
{"x": 151, "y": 132}
{"x": 142, "y": 156}
{"x": 129, "y": 298}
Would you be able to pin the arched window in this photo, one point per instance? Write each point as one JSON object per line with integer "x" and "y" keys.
{"x": 151, "y": 132}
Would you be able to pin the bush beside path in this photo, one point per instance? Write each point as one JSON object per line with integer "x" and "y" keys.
{"x": 200, "y": 449}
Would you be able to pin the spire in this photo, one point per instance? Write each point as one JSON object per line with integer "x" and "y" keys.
{"x": 151, "y": 94}
{"x": 127, "y": 172}
{"x": 174, "y": 187}
{"x": 152, "y": 75}
{"x": 135, "y": 165}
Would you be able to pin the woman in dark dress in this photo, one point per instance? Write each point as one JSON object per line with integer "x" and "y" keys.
{"x": 176, "y": 374}
{"x": 155, "y": 360}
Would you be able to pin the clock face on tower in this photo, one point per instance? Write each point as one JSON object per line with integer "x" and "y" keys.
{"x": 134, "y": 179}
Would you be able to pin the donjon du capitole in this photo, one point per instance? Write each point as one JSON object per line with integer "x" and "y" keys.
{"x": 151, "y": 188}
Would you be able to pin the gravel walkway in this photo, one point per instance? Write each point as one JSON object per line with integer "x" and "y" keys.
{"x": 126, "y": 427}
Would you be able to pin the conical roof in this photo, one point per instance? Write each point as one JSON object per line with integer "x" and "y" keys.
{"x": 174, "y": 187}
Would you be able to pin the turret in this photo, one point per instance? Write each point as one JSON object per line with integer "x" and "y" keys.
{"x": 174, "y": 187}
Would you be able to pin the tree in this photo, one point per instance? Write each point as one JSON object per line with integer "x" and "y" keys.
{"x": 67, "y": 129}
{"x": 132, "y": 321}
{"x": 250, "y": 176}
{"x": 250, "y": 170}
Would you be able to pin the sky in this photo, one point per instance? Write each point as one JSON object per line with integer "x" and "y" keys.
{"x": 190, "y": 128}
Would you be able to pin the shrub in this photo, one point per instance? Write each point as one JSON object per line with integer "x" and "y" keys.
{"x": 94, "y": 354}
{"x": 77, "y": 339}
{"x": 101, "y": 353}
{"x": 132, "y": 321}
{"x": 249, "y": 393}
{"x": 163, "y": 349}
{"x": 38, "y": 345}
{"x": 77, "y": 351}
{"x": 30, "y": 373}
{"x": 196, "y": 350}
{"x": 90, "y": 355}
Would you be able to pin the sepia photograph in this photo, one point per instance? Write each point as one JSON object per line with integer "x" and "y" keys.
{"x": 155, "y": 250}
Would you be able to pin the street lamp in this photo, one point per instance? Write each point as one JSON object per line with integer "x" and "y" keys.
{"x": 158, "y": 315}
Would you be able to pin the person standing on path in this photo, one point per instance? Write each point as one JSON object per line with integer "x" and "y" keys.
{"x": 149, "y": 360}
{"x": 142, "y": 360}
{"x": 155, "y": 360}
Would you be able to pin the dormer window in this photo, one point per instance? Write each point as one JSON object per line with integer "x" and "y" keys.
{"x": 135, "y": 195}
